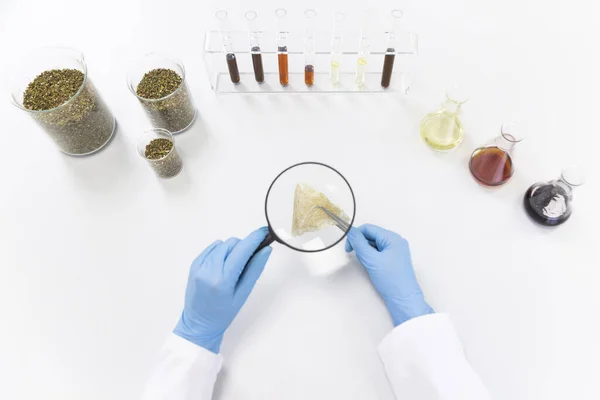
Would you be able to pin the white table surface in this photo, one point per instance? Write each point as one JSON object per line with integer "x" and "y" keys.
{"x": 94, "y": 251}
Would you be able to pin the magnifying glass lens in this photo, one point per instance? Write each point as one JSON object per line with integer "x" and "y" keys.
{"x": 293, "y": 201}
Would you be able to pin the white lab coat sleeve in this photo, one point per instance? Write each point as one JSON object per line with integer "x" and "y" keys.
{"x": 184, "y": 371}
{"x": 427, "y": 349}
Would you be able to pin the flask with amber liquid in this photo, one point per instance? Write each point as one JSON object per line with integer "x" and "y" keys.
{"x": 492, "y": 164}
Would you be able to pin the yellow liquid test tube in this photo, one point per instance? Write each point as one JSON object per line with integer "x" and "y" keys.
{"x": 336, "y": 47}
{"x": 364, "y": 49}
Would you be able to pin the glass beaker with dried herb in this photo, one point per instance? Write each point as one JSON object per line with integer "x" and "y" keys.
{"x": 158, "y": 81}
{"x": 157, "y": 146}
{"x": 53, "y": 86}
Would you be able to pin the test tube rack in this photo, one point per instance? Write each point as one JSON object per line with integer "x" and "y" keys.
{"x": 218, "y": 75}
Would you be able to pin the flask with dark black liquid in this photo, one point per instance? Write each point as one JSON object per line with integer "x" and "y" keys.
{"x": 550, "y": 203}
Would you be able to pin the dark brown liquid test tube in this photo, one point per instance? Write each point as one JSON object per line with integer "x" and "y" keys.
{"x": 259, "y": 72}
{"x": 234, "y": 72}
{"x": 388, "y": 67}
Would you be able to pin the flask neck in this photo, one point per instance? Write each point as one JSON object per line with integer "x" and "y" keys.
{"x": 451, "y": 106}
{"x": 565, "y": 185}
{"x": 572, "y": 177}
{"x": 506, "y": 142}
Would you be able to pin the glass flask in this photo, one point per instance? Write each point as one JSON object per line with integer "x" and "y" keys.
{"x": 550, "y": 203}
{"x": 492, "y": 165}
{"x": 442, "y": 129}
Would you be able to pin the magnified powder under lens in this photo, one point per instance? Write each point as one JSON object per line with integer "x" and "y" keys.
{"x": 308, "y": 218}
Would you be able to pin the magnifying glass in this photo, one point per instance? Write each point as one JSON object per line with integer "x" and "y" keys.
{"x": 279, "y": 207}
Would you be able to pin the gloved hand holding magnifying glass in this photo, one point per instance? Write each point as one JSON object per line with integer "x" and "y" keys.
{"x": 223, "y": 276}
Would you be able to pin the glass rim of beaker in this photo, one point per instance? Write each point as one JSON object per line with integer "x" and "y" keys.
{"x": 277, "y": 238}
{"x": 509, "y": 136}
{"x": 249, "y": 13}
{"x": 161, "y": 130}
{"x": 280, "y": 12}
{"x": 172, "y": 58}
{"x": 78, "y": 54}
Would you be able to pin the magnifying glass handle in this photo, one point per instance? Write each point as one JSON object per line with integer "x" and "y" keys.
{"x": 268, "y": 240}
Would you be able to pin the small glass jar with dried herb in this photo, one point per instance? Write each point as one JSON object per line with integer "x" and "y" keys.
{"x": 53, "y": 86}
{"x": 157, "y": 146}
{"x": 158, "y": 82}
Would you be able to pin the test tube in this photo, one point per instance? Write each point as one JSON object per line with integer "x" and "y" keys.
{"x": 282, "y": 50}
{"x": 309, "y": 47}
{"x": 390, "y": 52}
{"x": 364, "y": 49}
{"x": 234, "y": 72}
{"x": 255, "y": 34}
{"x": 337, "y": 46}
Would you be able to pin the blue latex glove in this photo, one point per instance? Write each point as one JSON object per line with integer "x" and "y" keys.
{"x": 218, "y": 287}
{"x": 390, "y": 268}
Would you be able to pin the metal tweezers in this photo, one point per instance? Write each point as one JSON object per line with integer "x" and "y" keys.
{"x": 340, "y": 223}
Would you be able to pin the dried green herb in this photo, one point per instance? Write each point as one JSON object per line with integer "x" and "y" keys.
{"x": 163, "y": 158}
{"x": 52, "y": 88}
{"x": 166, "y": 100}
{"x": 158, "y": 83}
{"x": 158, "y": 148}
{"x": 81, "y": 126}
